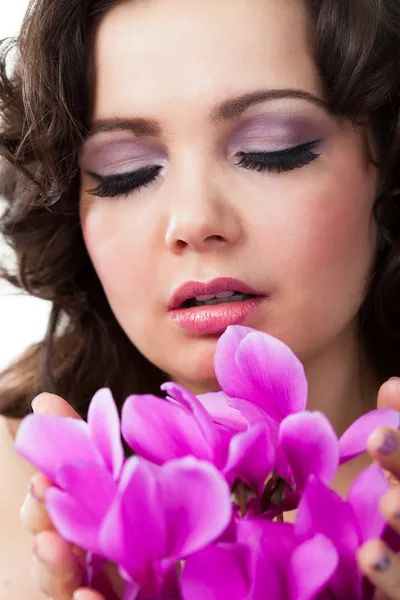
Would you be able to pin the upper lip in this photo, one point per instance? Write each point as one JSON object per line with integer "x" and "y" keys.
{"x": 191, "y": 289}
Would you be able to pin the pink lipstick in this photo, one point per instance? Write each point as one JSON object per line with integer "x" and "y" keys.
{"x": 209, "y": 308}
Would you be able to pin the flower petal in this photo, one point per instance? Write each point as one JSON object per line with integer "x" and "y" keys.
{"x": 364, "y": 496}
{"x": 321, "y": 510}
{"x": 223, "y": 414}
{"x": 312, "y": 564}
{"x": 197, "y": 505}
{"x": 131, "y": 590}
{"x": 272, "y": 543}
{"x": 134, "y": 522}
{"x": 226, "y": 368}
{"x": 49, "y": 442}
{"x": 104, "y": 429}
{"x": 217, "y": 572}
{"x": 204, "y": 421}
{"x": 309, "y": 444}
{"x": 251, "y": 457}
{"x": 159, "y": 430}
{"x": 71, "y": 521}
{"x": 92, "y": 487}
{"x": 354, "y": 441}
{"x": 257, "y": 367}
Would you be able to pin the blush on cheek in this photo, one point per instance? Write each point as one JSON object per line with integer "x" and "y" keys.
{"x": 342, "y": 235}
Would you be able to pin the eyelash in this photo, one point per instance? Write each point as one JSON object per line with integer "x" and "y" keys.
{"x": 273, "y": 162}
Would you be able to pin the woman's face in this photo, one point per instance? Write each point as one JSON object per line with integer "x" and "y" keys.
{"x": 219, "y": 108}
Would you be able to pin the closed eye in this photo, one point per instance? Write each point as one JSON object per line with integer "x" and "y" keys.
{"x": 278, "y": 162}
{"x": 111, "y": 186}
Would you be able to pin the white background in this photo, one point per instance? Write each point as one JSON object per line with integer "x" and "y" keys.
{"x": 22, "y": 318}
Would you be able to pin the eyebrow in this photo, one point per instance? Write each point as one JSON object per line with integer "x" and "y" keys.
{"x": 229, "y": 110}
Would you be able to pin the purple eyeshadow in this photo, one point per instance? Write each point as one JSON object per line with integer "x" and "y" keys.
{"x": 273, "y": 134}
{"x": 117, "y": 157}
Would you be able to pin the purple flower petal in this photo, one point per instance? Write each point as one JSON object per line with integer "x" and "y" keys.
{"x": 252, "y": 413}
{"x": 354, "y": 441}
{"x": 364, "y": 496}
{"x": 226, "y": 368}
{"x": 133, "y": 532}
{"x": 197, "y": 505}
{"x": 49, "y": 442}
{"x": 312, "y": 564}
{"x": 104, "y": 429}
{"x": 71, "y": 521}
{"x": 216, "y": 573}
{"x": 251, "y": 457}
{"x": 309, "y": 444}
{"x": 272, "y": 543}
{"x": 92, "y": 486}
{"x": 257, "y": 367}
{"x": 131, "y": 590}
{"x": 321, "y": 510}
{"x": 223, "y": 414}
{"x": 204, "y": 421}
{"x": 272, "y": 546}
{"x": 159, "y": 430}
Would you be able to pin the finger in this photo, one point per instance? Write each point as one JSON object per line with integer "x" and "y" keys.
{"x": 389, "y": 394}
{"x": 390, "y": 508}
{"x": 87, "y": 594}
{"x": 53, "y": 405}
{"x": 58, "y": 567}
{"x": 384, "y": 447}
{"x": 382, "y": 567}
{"x": 33, "y": 514}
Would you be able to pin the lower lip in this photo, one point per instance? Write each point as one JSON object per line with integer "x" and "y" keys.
{"x": 215, "y": 318}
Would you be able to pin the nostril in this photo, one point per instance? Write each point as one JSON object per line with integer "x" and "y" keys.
{"x": 216, "y": 238}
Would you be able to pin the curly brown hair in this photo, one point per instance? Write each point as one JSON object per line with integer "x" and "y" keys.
{"x": 45, "y": 111}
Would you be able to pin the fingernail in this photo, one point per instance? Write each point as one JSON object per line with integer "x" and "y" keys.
{"x": 33, "y": 492}
{"x": 384, "y": 441}
{"x": 394, "y": 379}
{"x": 34, "y": 402}
{"x": 382, "y": 565}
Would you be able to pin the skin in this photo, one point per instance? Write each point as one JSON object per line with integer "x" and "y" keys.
{"x": 305, "y": 237}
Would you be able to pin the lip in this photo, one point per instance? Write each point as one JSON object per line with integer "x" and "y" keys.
{"x": 191, "y": 289}
{"x": 213, "y": 319}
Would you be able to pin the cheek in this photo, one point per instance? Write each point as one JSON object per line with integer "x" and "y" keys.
{"x": 338, "y": 236}
{"x": 117, "y": 246}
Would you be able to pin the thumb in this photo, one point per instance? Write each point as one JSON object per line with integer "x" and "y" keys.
{"x": 389, "y": 394}
{"x": 52, "y": 404}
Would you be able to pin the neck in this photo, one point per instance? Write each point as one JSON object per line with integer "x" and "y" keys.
{"x": 342, "y": 384}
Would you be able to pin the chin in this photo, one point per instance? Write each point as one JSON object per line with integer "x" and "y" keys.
{"x": 194, "y": 367}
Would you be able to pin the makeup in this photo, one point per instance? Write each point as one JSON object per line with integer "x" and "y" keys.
{"x": 108, "y": 155}
{"x": 273, "y": 133}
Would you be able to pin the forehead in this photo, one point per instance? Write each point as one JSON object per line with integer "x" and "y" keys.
{"x": 159, "y": 57}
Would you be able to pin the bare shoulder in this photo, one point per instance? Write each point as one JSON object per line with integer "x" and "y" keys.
{"x": 15, "y": 543}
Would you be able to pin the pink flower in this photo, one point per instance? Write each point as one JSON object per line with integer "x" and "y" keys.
{"x": 265, "y": 561}
{"x": 161, "y": 515}
{"x": 160, "y": 430}
{"x": 83, "y": 460}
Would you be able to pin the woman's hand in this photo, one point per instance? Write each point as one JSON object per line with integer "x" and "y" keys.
{"x": 57, "y": 567}
{"x": 377, "y": 561}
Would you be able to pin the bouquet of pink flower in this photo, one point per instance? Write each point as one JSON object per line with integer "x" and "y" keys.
{"x": 197, "y": 512}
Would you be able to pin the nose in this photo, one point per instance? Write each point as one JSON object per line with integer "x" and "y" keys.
{"x": 201, "y": 214}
